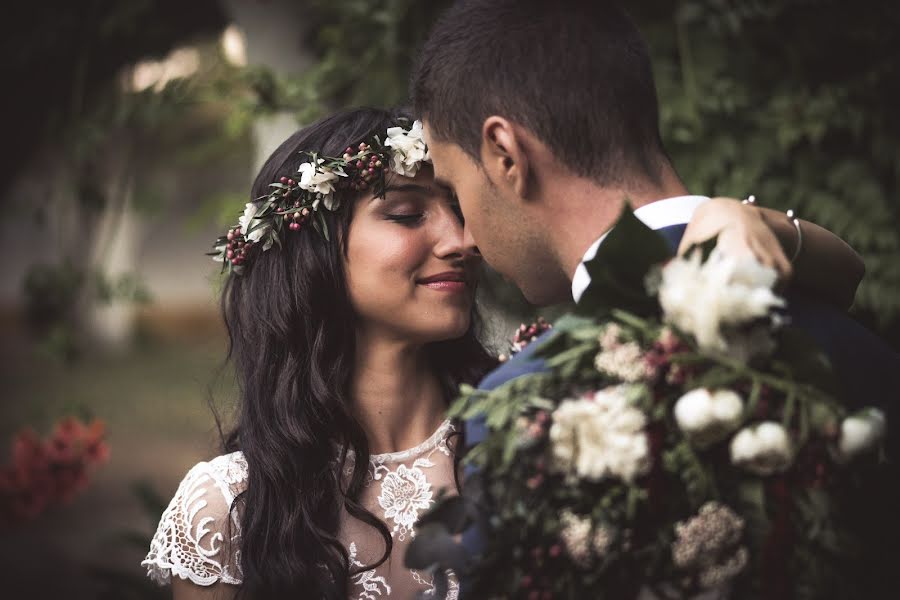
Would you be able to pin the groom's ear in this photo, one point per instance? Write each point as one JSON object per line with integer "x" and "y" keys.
{"x": 504, "y": 155}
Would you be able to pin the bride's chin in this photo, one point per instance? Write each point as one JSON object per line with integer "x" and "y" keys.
{"x": 452, "y": 329}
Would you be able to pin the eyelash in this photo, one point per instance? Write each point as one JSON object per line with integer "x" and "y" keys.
{"x": 414, "y": 219}
{"x": 405, "y": 219}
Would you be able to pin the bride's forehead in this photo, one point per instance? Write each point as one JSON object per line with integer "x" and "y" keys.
{"x": 425, "y": 190}
{"x": 423, "y": 183}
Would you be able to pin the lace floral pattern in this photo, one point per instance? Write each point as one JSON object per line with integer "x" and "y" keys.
{"x": 369, "y": 581}
{"x": 404, "y": 493}
{"x": 190, "y": 541}
{"x": 452, "y": 585}
{"x": 198, "y": 536}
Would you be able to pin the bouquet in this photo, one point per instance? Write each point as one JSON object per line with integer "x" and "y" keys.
{"x": 683, "y": 439}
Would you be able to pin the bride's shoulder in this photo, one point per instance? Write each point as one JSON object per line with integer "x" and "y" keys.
{"x": 229, "y": 469}
{"x": 226, "y": 473}
{"x": 198, "y": 533}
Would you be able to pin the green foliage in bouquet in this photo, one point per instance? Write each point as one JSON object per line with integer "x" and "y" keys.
{"x": 681, "y": 439}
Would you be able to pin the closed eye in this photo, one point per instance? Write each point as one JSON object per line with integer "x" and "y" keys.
{"x": 411, "y": 219}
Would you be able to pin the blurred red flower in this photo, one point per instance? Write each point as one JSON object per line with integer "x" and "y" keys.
{"x": 48, "y": 472}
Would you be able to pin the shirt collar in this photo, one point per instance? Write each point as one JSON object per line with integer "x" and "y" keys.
{"x": 656, "y": 215}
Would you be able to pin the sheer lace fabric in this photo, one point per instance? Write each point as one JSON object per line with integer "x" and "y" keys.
{"x": 199, "y": 541}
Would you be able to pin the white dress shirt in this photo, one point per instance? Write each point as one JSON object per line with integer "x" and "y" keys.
{"x": 656, "y": 215}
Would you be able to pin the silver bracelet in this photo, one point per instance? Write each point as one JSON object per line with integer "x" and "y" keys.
{"x": 793, "y": 218}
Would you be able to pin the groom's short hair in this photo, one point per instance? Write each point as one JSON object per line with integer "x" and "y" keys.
{"x": 576, "y": 73}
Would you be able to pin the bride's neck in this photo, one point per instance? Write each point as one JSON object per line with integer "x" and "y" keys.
{"x": 396, "y": 394}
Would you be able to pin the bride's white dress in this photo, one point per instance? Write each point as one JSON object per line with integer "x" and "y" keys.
{"x": 198, "y": 540}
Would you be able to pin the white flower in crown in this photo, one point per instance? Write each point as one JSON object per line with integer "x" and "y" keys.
{"x": 409, "y": 149}
{"x": 246, "y": 222}
{"x": 600, "y": 435}
{"x": 314, "y": 177}
{"x": 703, "y": 298}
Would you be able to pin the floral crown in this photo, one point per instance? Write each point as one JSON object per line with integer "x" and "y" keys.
{"x": 292, "y": 203}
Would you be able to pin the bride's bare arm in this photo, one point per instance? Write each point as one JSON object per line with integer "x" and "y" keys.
{"x": 826, "y": 265}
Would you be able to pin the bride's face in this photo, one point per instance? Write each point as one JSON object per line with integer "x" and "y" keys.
{"x": 410, "y": 274}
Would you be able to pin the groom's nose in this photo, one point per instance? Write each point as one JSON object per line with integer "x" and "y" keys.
{"x": 469, "y": 241}
{"x": 455, "y": 242}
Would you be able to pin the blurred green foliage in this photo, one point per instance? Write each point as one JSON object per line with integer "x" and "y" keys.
{"x": 95, "y": 135}
{"x": 364, "y": 53}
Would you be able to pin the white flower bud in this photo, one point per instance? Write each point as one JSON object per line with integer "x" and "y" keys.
{"x": 727, "y": 406}
{"x": 692, "y": 411}
{"x": 764, "y": 449}
{"x": 861, "y": 432}
{"x": 707, "y": 417}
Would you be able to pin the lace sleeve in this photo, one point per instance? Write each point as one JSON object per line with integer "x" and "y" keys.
{"x": 198, "y": 537}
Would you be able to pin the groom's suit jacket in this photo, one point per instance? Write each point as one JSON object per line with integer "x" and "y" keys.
{"x": 868, "y": 370}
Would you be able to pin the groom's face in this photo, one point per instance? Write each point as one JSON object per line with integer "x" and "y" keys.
{"x": 462, "y": 177}
{"x": 493, "y": 221}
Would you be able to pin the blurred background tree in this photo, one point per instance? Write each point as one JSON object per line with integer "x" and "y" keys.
{"x": 108, "y": 107}
{"x": 133, "y": 130}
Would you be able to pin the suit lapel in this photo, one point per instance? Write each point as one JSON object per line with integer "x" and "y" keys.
{"x": 673, "y": 234}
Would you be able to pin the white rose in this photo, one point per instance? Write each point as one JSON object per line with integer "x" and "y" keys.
{"x": 600, "y": 436}
{"x": 307, "y": 171}
{"x": 763, "y": 449}
{"x": 707, "y": 417}
{"x": 703, "y": 298}
{"x": 318, "y": 179}
{"x": 246, "y": 221}
{"x": 861, "y": 432}
{"x": 409, "y": 149}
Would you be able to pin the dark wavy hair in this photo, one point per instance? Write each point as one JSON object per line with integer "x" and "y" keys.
{"x": 291, "y": 331}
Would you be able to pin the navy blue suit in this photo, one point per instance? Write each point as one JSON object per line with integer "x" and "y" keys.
{"x": 868, "y": 371}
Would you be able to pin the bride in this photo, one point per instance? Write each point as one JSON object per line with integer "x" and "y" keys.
{"x": 349, "y": 305}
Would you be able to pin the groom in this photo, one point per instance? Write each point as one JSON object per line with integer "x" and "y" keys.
{"x": 542, "y": 118}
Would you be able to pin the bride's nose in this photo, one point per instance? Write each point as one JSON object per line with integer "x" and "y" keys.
{"x": 454, "y": 240}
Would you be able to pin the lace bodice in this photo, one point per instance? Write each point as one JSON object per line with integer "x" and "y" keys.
{"x": 197, "y": 539}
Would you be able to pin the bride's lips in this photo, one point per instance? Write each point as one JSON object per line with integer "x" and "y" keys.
{"x": 449, "y": 281}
